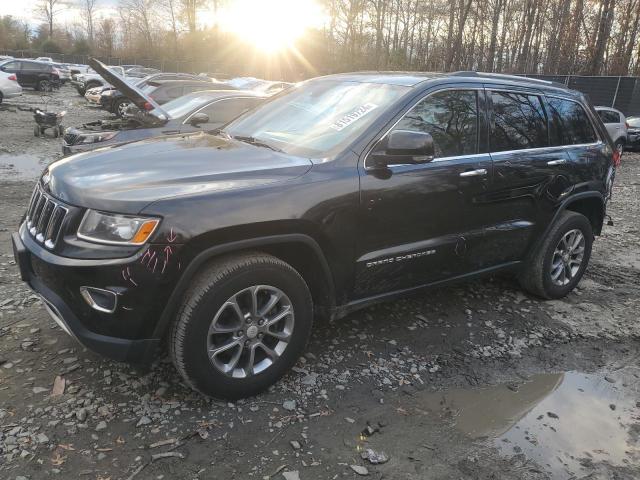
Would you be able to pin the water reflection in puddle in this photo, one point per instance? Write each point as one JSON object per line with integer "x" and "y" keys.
{"x": 20, "y": 167}
{"x": 563, "y": 421}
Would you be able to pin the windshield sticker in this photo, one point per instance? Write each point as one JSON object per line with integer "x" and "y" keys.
{"x": 349, "y": 118}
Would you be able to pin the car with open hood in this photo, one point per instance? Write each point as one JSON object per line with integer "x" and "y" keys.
{"x": 340, "y": 192}
{"x": 114, "y": 101}
{"x": 199, "y": 111}
{"x": 84, "y": 81}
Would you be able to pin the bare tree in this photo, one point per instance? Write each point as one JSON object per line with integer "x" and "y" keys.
{"x": 47, "y": 10}
{"x": 87, "y": 12}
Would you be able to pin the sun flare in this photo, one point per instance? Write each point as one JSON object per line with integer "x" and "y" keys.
{"x": 271, "y": 26}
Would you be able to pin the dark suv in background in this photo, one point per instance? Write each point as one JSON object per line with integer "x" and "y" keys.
{"x": 32, "y": 74}
{"x": 343, "y": 191}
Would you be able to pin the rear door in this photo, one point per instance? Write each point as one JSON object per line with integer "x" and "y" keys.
{"x": 31, "y": 73}
{"x": 527, "y": 168}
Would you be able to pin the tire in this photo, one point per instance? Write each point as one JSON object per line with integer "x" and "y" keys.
{"x": 44, "y": 86}
{"x": 239, "y": 279}
{"x": 119, "y": 106}
{"x": 537, "y": 276}
{"x": 619, "y": 146}
{"x": 56, "y": 132}
{"x": 36, "y": 131}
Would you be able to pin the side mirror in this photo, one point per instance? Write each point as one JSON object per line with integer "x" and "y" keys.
{"x": 403, "y": 147}
{"x": 199, "y": 118}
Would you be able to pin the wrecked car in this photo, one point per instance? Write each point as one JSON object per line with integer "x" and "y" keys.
{"x": 198, "y": 111}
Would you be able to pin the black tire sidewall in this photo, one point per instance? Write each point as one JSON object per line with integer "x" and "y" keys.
{"x": 581, "y": 223}
{"x": 204, "y": 375}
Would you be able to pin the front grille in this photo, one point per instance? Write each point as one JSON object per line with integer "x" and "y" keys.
{"x": 44, "y": 217}
{"x": 70, "y": 138}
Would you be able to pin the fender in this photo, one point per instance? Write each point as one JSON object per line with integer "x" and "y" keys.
{"x": 205, "y": 255}
{"x": 563, "y": 206}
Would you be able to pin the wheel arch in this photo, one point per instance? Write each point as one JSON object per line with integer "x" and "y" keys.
{"x": 589, "y": 204}
{"x": 299, "y": 250}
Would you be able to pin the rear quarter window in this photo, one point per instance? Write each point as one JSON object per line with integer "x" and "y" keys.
{"x": 569, "y": 123}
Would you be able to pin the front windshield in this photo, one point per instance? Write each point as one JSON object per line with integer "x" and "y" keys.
{"x": 634, "y": 122}
{"x": 318, "y": 118}
{"x": 181, "y": 106}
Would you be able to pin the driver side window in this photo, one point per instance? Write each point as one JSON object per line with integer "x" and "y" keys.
{"x": 451, "y": 117}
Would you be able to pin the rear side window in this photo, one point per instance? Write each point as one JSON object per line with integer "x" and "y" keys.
{"x": 451, "y": 117}
{"x": 33, "y": 67}
{"x": 609, "y": 116}
{"x": 569, "y": 123}
{"x": 518, "y": 122}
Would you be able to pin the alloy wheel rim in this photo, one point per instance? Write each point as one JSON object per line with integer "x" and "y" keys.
{"x": 250, "y": 331}
{"x": 122, "y": 107}
{"x": 567, "y": 257}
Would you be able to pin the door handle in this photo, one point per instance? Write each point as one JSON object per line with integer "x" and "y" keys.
{"x": 480, "y": 172}
{"x": 559, "y": 161}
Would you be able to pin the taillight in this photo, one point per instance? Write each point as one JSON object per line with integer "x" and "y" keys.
{"x": 13, "y": 77}
{"x": 626, "y": 125}
{"x": 55, "y": 71}
{"x": 148, "y": 106}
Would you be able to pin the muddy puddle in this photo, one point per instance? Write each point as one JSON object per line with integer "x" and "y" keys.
{"x": 21, "y": 166}
{"x": 563, "y": 422}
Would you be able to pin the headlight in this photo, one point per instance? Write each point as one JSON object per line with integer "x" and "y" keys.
{"x": 109, "y": 93}
{"x": 97, "y": 137}
{"x": 116, "y": 229}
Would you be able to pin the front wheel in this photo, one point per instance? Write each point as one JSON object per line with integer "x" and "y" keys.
{"x": 44, "y": 86}
{"x": 558, "y": 263}
{"x": 242, "y": 326}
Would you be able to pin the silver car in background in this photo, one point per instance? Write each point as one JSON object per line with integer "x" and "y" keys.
{"x": 9, "y": 86}
{"x": 616, "y": 124}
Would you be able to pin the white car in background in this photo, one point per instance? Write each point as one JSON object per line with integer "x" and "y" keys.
{"x": 616, "y": 124}
{"x": 9, "y": 86}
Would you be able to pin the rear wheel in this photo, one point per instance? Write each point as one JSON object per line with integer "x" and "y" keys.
{"x": 44, "y": 85}
{"x": 242, "y": 326}
{"x": 557, "y": 265}
{"x": 619, "y": 145}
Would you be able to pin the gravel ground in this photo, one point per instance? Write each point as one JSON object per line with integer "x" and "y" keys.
{"x": 474, "y": 381}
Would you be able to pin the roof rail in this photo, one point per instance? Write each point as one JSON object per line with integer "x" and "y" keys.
{"x": 504, "y": 76}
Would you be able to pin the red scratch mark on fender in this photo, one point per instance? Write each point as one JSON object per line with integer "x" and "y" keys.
{"x": 171, "y": 237}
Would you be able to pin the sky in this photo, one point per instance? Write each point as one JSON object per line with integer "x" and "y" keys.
{"x": 26, "y": 10}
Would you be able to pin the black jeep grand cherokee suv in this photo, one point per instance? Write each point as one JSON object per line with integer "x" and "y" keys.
{"x": 343, "y": 191}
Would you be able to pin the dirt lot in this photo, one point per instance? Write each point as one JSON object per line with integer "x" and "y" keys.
{"x": 469, "y": 382}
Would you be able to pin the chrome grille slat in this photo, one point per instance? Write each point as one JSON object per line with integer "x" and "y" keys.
{"x": 45, "y": 217}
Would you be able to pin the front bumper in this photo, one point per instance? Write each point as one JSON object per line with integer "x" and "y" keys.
{"x": 123, "y": 335}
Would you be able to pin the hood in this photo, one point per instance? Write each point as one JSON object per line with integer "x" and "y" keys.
{"x": 127, "y": 178}
{"x": 132, "y": 92}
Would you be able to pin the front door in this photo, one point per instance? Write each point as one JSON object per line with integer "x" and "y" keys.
{"x": 416, "y": 218}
